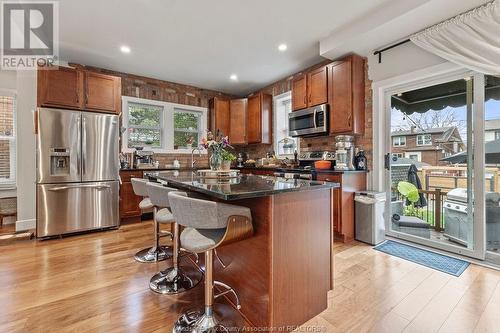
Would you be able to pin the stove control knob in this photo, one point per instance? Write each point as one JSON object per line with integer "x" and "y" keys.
{"x": 448, "y": 205}
{"x": 302, "y": 155}
{"x": 457, "y": 207}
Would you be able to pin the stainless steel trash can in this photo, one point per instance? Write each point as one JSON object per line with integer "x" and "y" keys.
{"x": 369, "y": 217}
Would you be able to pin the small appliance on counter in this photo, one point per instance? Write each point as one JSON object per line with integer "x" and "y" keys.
{"x": 143, "y": 159}
{"x": 360, "y": 161}
{"x": 344, "y": 153}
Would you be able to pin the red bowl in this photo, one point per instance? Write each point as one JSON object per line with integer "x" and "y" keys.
{"x": 322, "y": 165}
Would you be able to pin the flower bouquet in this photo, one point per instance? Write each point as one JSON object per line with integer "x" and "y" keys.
{"x": 215, "y": 144}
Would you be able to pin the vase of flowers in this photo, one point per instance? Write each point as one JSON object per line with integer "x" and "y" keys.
{"x": 215, "y": 145}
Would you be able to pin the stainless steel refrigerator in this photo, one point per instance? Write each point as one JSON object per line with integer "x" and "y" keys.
{"x": 77, "y": 171}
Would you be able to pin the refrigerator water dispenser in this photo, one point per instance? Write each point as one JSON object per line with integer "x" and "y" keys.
{"x": 59, "y": 161}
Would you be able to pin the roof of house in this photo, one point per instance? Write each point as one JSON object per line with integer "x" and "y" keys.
{"x": 492, "y": 124}
{"x": 417, "y": 131}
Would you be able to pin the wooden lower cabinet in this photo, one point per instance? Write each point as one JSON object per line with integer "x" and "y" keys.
{"x": 343, "y": 201}
{"x": 129, "y": 202}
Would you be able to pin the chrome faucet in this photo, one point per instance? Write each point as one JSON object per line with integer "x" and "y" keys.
{"x": 193, "y": 161}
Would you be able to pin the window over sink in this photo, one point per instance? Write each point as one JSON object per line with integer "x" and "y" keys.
{"x": 161, "y": 126}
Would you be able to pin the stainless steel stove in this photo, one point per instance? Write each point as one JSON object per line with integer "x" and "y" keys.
{"x": 305, "y": 170}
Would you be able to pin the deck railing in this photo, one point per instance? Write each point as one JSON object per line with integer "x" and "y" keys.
{"x": 433, "y": 212}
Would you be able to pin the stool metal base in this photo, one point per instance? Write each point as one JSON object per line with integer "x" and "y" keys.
{"x": 198, "y": 322}
{"x": 175, "y": 280}
{"x": 153, "y": 254}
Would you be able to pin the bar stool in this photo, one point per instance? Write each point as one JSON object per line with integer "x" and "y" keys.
{"x": 157, "y": 252}
{"x": 175, "y": 279}
{"x": 208, "y": 225}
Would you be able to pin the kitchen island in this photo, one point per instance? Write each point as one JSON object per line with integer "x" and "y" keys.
{"x": 283, "y": 273}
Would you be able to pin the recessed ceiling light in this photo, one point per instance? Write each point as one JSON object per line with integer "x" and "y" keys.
{"x": 233, "y": 77}
{"x": 282, "y": 47}
{"x": 125, "y": 49}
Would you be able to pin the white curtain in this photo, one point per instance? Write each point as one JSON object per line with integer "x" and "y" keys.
{"x": 471, "y": 39}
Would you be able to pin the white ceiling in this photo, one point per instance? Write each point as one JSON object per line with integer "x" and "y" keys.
{"x": 203, "y": 42}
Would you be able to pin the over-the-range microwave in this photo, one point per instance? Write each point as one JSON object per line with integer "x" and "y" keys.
{"x": 309, "y": 122}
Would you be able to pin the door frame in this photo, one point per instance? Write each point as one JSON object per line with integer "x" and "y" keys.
{"x": 433, "y": 75}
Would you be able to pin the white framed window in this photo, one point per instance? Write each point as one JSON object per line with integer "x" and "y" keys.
{"x": 187, "y": 128}
{"x": 424, "y": 140}
{"x": 416, "y": 156}
{"x": 399, "y": 141}
{"x": 497, "y": 135}
{"x": 161, "y": 126}
{"x": 284, "y": 144}
{"x": 7, "y": 139}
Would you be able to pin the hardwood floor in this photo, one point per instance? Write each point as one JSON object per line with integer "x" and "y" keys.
{"x": 91, "y": 283}
{"x": 375, "y": 292}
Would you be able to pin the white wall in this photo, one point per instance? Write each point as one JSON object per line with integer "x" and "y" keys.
{"x": 26, "y": 161}
{"x": 400, "y": 60}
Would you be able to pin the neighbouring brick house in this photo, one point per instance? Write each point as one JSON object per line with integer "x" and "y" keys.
{"x": 428, "y": 146}
{"x": 491, "y": 130}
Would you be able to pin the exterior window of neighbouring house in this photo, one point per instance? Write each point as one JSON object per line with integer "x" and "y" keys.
{"x": 414, "y": 157}
{"x": 160, "y": 126}
{"x": 497, "y": 135}
{"x": 7, "y": 140}
{"x": 424, "y": 140}
{"x": 397, "y": 155}
{"x": 399, "y": 141}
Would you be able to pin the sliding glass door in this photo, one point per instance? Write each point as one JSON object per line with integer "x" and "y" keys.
{"x": 492, "y": 161}
{"x": 431, "y": 166}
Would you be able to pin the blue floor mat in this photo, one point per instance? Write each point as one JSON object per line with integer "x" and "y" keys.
{"x": 423, "y": 257}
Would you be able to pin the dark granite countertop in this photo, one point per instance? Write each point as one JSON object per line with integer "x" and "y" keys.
{"x": 151, "y": 169}
{"x": 242, "y": 187}
{"x": 283, "y": 169}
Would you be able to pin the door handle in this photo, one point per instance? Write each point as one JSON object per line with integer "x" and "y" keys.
{"x": 387, "y": 161}
{"x": 314, "y": 119}
{"x": 84, "y": 144}
{"x": 68, "y": 187}
{"x": 305, "y": 99}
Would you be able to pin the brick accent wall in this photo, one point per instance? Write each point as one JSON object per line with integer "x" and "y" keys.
{"x": 166, "y": 91}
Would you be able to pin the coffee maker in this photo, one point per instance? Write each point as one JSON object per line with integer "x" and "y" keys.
{"x": 344, "y": 153}
{"x": 143, "y": 159}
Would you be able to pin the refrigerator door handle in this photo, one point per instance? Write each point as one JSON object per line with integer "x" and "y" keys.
{"x": 79, "y": 150}
{"x": 68, "y": 187}
{"x": 84, "y": 144}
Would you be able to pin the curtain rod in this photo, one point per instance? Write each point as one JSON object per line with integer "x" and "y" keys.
{"x": 379, "y": 52}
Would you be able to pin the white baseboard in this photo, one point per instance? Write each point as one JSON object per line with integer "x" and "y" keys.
{"x": 22, "y": 225}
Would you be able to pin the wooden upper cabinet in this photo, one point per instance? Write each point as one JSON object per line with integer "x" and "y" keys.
{"x": 238, "y": 121}
{"x": 102, "y": 92}
{"x": 61, "y": 87}
{"x": 299, "y": 92}
{"x": 347, "y": 96}
{"x": 73, "y": 88}
{"x": 317, "y": 81}
{"x": 259, "y": 119}
{"x": 219, "y": 115}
